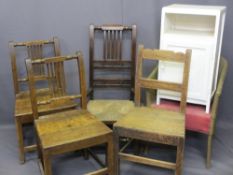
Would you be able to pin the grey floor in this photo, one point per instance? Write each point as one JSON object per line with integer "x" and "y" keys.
{"x": 74, "y": 164}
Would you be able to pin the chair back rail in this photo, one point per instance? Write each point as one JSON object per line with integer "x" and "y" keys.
{"x": 162, "y": 55}
{"x": 55, "y": 77}
{"x": 35, "y": 50}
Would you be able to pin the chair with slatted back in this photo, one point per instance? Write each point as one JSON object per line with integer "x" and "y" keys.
{"x": 155, "y": 125}
{"x": 69, "y": 130}
{"x": 111, "y": 69}
{"x": 18, "y": 52}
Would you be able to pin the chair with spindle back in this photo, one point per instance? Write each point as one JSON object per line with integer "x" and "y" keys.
{"x": 155, "y": 125}
{"x": 23, "y": 113}
{"x": 112, "y": 63}
{"x": 69, "y": 130}
{"x": 34, "y": 49}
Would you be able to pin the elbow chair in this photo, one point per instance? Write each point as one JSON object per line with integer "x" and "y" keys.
{"x": 197, "y": 119}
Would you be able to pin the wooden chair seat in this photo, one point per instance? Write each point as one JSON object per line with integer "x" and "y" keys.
{"x": 166, "y": 124}
{"x": 109, "y": 111}
{"x": 156, "y": 126}
{"x": 23, "y": 106}
{"x": 70, "y": 127}
{"x": 71, "y": 131}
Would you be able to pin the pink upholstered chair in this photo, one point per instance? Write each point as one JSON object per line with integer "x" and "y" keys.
{"x": 196, "y": 118}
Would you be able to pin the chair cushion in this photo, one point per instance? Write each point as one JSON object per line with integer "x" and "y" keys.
{"x": 196, "y": 117}
{"x": 109, "y": 111}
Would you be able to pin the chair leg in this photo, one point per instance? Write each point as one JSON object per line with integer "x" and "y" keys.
{"x": 137, "y": 147}
{"x": 85, "y": 154}
{"x": 110, "y": 157}
{"x": 179, "y": 157}
{"x": 39, "y": 152}
{"x": 47, "y": 165}
{"x": 131, "y": 95}
{"x": 116, "y": 153}
{"x": 19, "y": 131}
{"x": 209, "y": 151}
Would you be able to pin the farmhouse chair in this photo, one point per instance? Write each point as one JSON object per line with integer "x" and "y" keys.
{"x": 112, "y": 69}
{"x": 68, "y": 130}
{"x": 155, "y": 125}
{"x": 23, "y": 113}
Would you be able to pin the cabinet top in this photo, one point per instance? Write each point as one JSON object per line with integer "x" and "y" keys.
{"x": 194, "y": 9}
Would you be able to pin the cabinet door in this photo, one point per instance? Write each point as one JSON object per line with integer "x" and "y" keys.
{"x": 199, "y": 69}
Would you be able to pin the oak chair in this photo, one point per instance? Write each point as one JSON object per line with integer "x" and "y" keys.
{"x": 118, "y": 71}
{"x": 34, "y": 49}
{"x": 68, "y": 130}
{"x": 23, "y": 113}
{"x": 197, "y": 119}
{"x": 155, "y": 125}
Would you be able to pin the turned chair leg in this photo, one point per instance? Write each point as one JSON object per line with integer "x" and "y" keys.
{"x": 19, "y": 131}
{"x": 209, "y": 151}
{"x": 179, "y": 157}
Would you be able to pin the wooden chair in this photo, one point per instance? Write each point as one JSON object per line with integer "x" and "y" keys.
{"x": 69, "y": 130}
{"x": 23, "y": 112}
{"x": 155, "y": 125}
{"x": 111, "y": 62}
{"x": 197, "y": 119}
{"x": 34, "y": 50}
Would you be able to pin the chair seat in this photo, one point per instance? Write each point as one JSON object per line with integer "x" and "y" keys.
{"x": 69, "y": 127}
{"x": 196, "y": 117}
{"x": 109, "y": 111}
{"x": 23, "y": 104}
{"x": 153, "y": 121}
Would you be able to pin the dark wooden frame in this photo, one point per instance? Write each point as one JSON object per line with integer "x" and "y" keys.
{"x": 112, "y": 57}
